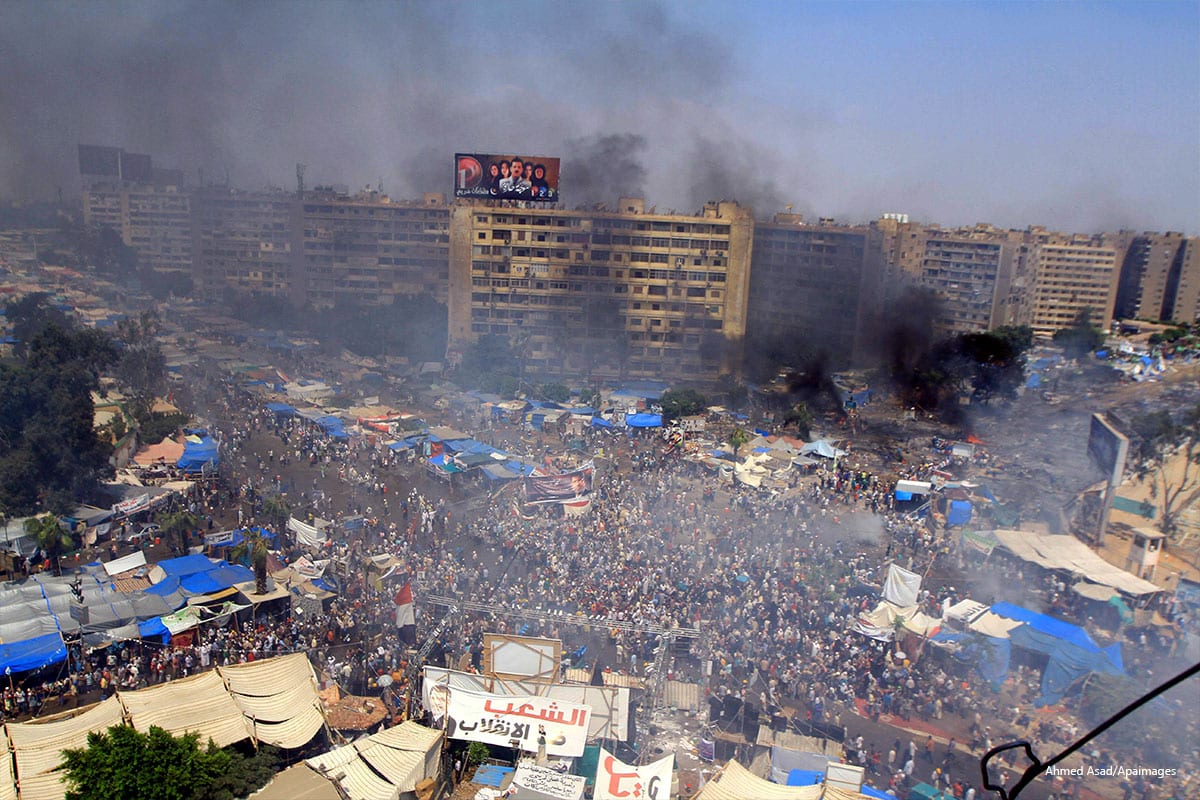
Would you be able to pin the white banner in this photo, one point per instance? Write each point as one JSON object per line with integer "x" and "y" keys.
{"x": 616, "y": 780}
{"x": 495, "y": 719}
{"x": 549, "y": 782}
{"x": 306, "y": 534}
{"x": 901, "y": 587}
{"x": 131, "y": 506}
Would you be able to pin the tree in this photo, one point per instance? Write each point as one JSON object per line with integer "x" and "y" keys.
{"x": 277, "y": 509}
{"x": 737, "y": 437}
{"x": 254, "y": 549}
{"x": 801, "y": 417}
{"x": 142, "y": 368}
{"x": 1080, "y": 337}
{"x": 555, "y": 392}
{"x": 124, "y": 764}
{"x": 49, "y": 537}
{"x": 179, "y": 524}
{"x": 1167, "y": 456}
{"x": 678, "y": 403}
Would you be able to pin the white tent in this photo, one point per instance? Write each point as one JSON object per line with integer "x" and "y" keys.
{"x": 385, "y": 764}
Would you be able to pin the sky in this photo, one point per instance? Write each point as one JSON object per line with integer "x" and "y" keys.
{"x": 1077, "y": 116}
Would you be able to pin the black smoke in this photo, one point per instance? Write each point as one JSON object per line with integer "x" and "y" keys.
{"x": 605, "y": 167}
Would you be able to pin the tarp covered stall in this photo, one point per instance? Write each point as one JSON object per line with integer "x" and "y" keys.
{"x": 1065, "y": 552}
{"x": 735, "y": 782}
{"x": 823, "y": 448}
{"x": 197, "y": 703}
{"x": 199, "y": 454}
{"x": 643, "y": 420}
{"x": 38, "y": 746}
{"x": 278, "y": 697}
{"x": 31, "y": 654}
{"x": 385, "y": 764}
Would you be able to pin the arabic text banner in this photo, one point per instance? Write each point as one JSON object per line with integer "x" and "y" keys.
{"x": 495, "y": 719}
{"x": 616, "y": 780}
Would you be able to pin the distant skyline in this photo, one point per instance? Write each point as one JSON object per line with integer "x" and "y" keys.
{"x": 1077, "y": 116}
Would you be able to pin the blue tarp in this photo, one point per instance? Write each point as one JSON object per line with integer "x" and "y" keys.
{"x": 401, "y": 445}
{"x": 644, "y": 420}
{"x": 1072, "y": 652}
{"x": 871, "y": 791}
{"x": 221, "y": 577}
{"x": 805, "y": 777}
{"x": 154, "y": 627}
{"x": 186, "y": 565}
{"x": 35, "y": 653}
{"x": 282, "y": 408}
{"x": 333, "y": 426}
{"x": 1034, "y": 381}
{"x": 902, "y": 495}
{"x": 167, "y": 586}
{"x": 198, "y": 454}
{"x": 600, "y": 422}
{"x": 959, "y": 512}
{"x": 518, "y": 468}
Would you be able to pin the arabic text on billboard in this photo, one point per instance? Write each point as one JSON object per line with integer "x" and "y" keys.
{"x": 485, "y": 175}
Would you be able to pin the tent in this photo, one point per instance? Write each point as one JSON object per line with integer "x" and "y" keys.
{"x": 1065, "y": 552}
{"x": 384, "y": 765}
{"x": 823, "y": 448}
{"x": 643, "y": 420}
{"x": 199, "y": 453}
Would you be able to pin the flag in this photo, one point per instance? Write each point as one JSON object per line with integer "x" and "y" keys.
{"x": 406, "y": 618}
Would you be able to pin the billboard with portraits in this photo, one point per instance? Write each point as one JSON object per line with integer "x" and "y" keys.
{"x": 506, "y": 177}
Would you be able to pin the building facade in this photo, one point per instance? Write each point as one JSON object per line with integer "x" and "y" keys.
{"x": 1159, "y": 278}
{"x": 605, "y": 294}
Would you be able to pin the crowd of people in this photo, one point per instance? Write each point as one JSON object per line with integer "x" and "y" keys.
{"x": 771, "y": 581}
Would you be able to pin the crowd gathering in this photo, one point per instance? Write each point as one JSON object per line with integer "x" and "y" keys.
{"x": 772, "y": 581}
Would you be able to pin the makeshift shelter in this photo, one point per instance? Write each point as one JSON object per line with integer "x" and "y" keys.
{"x": 278, "y": 697}
{"x": 199, "y": 454}
{"x": 643, "y": 420}
{"x": 823, "y": 448}
{"x": 1065, "y": 552}
{"x": 383, "y": 765}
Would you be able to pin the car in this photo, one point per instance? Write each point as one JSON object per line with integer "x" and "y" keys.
{"x": 145, "y": 535}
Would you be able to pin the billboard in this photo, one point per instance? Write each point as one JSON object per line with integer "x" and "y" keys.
{"x": 567, "y": 487}
{"x": 1107, "y": 449}
{"x": 521, "y": 656}
{"x": 486, "y": 175}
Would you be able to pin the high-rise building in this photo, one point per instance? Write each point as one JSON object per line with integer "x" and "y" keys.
{"x": 1071, "y": 274}
{"x": 243, "y": 241}
{"x": 810, "y": 288}
{"x": 371, "y": 248}
{"x": 1160, "y": 278}
{"x": 605, "y": 294}
{"x": 148, "y": 206}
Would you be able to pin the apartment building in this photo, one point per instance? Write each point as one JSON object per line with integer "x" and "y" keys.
{"x": 1071, "y": 273}
{"x": 811, "y": 287}
{"x": 243, "y": 241}
{"x": 1159, "y": 278}
{"x": 149, "y": 206}
{"x": 605, "y": 294}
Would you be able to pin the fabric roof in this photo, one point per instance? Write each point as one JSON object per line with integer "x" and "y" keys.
{"x": 38, "y": 745}
{"x": 735, "y": 782}
{"x": 1068, "y": 553}
{"x": 198, "y": 703}
{"x": 125, "y": 563}
{"x": 403, "y": 755}
{"x": 278, "y": 697}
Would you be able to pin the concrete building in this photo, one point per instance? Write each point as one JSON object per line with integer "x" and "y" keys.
{"x": 1159, "y": 278}
{"x": 150, "y": 207}
{"x": 605, "y": 294}
{"x": 1071, "y": 274}
{"x": 811, "y": 287}
{"x": 242, "y": 241}
{"x": 370, "y": 247}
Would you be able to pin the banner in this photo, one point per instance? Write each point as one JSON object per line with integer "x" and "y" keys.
{"x": 531, "y": 722}
{"x": 131, "y": 506}
{"x": 563, "y": 488}
{"x": 306, "y": 534}
{"x": 549, "y": 782}
{"x": 616, "y": 780}
{"x": 505, "y": 177}
{"x": 901, "y": 587}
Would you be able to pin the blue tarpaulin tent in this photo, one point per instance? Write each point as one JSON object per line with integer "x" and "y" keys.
{"x": 1073, "y": 653}
{"x": 35, "y": 653}
{"x": 333, "y": 426}
{"x": 197, "y": 455}
{"x": 644, "y": 420}
{"x": 959, "y": 512}
{"x": 283, "y": 409}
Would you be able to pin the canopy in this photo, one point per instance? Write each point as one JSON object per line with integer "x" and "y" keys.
{"x": 385, "y": 764}
{"x": 199, "y": 452}
{"x": 822, "y": 448}
{"x": 1068, "y": 553}
{"x": 41, "y": 651}
{"x": 644, "y": 420}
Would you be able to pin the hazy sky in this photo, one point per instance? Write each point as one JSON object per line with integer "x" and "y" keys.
{"x": 1079, "y": 116}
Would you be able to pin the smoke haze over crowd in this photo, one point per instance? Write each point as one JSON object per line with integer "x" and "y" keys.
{"x": 1078, "y": 117}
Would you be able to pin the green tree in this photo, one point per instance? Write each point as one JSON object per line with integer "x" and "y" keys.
{"x": 800, "y": 416}
{"x": 142, "y": 368}
{"x": 50, "y": 538}
{"x": 1166, "y": 452}
{"x": 555, "y": 392}
{"x": 253, "y": 549}
{"x": 179, "y": 524}
{"x": 277, "y": 509}
{"x": 123, "y": 764}
{"x": 737, "y": 437}
{"x": 1080, "y": 337}
{"x": 678, "y": 403}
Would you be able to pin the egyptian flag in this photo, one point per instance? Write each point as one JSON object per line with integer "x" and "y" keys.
{"x": 406, "y": 618}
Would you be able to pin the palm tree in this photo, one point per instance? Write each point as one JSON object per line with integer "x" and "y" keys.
{"x": 254, "y": 547}
{"x": 736, "y": 439}
{"x": 49, "y": 537}
{"x": 277, "y": 509}
{"x": 179, "y": 523}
